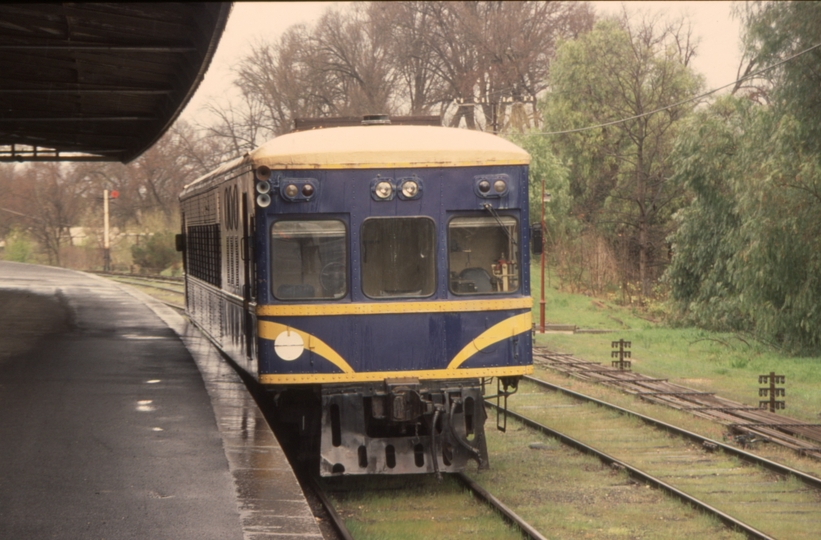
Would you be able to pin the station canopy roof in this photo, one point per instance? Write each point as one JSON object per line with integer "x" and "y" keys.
{"x": 99, "y": 81}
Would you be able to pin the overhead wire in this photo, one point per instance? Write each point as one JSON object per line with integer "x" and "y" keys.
{"x": 685, "y": 101}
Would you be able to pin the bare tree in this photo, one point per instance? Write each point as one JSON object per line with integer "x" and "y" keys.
{"x": 354, "y": 52}
{"x": 48, "y": 201}
{"x": 494, "y": 56}
{"x": 409, "y": 25}
{"x": 458, "y": 59}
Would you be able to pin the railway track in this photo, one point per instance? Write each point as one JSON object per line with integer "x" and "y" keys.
{"x": 769, "y": 484}
{"x": 760, "y": 498}
{"x": 149, "y": 277}
{"x": 148, "y": 282}
{"x": 802, "y": 437}
{"x": 472, "y": 487}
{"x": 151, "y": 282}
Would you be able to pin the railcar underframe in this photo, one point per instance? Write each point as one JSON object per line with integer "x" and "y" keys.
{"x": 403, "y": 426}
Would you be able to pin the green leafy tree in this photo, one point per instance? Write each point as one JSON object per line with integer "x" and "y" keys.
{"x": 778, "y": 269}
{"x": 620, "y": 172}
{"x": 776, "y": 31}
{"x": 157, "y": 253}
{"x": 18, "y": 247}
{"x": 748, "y": 247}
{"x": 708, "y": 165}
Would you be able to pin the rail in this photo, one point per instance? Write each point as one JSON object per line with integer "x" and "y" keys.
{"x": 803, "y": 438}
{"x": 509, "y": 515}
{"x": 778, "y": 468}
{"x": 638, "y": 474}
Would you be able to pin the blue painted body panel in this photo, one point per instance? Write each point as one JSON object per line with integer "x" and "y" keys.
{"x": 396, "y": 342}
{"x": 402, "y": 342}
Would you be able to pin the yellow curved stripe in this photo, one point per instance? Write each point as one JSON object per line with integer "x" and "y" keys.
{"x": 379, "y": 376}
{"x": 507, "y": 328}
{"x": 270, "y": 330}
{"x": 382, "y": 308}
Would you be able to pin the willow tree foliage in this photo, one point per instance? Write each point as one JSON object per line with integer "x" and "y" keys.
{"x": 748, "y": 248}
{"x": 747, "y": 253}
{"x": 776, "y": 33}
{"x": 707, "y": 164}
{"x": 623, "y": 69}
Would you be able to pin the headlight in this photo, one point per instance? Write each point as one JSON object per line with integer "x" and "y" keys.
{"x": 383, "y": 190}
{"x": 410, "y": 189}
{"x": 492, "y": 186}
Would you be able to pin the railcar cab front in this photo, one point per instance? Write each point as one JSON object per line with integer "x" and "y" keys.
{"x": 391, "y": 282}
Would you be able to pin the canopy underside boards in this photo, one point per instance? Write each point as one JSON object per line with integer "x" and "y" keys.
{"x": 99, "y": 81}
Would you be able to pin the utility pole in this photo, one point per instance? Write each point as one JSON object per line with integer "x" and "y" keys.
{"x": 545, "y": 199}
{"x": 106, "y": 242}
{"x": 106, "y": 237}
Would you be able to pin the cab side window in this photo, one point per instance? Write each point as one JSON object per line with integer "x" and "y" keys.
{"x": 483, "y": 255}
{"x": 309, "y": 260}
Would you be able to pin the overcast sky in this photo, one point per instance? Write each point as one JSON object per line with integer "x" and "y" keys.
{"x": 717, "y": 57}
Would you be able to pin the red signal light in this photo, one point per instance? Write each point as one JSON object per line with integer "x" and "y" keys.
{"x": 115, "y": 194}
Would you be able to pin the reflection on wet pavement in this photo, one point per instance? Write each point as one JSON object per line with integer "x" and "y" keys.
{"x": 270, "y": 500}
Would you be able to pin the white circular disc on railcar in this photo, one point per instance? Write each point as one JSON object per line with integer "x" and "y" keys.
{"x": 289, "y": 345}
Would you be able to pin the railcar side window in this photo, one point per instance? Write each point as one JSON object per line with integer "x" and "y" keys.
{"x": 309, "y": 260}
{"x": 483, "y": 255}
{"x": 398, "y": 257}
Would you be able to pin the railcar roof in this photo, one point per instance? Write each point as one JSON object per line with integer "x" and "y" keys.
{"x": 369, "y": 147}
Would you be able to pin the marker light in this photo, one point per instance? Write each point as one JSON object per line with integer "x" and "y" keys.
{"x": 263, "y": 172}
{"x": 484, "y": 186}
{"x": 410, "y": 189}
{"x": 499, "y": 186}
{"x": 263, "y": 200}
{"x": 307, "y": 190}
{"x": 383, "y": 190}
{"x": 291, "y": 190}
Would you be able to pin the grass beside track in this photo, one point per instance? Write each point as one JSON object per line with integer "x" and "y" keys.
{"x": 159, "y": 294}
{"x": 753, "y": 495}
{"x": 724, "y": 363}
{"x": 566, "y": 494}
{"x": 411, "y": 507}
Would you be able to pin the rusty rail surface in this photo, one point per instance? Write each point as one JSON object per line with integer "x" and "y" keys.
{"x": 509, "y": 515}
{"x": 335, "y": 519}
{"x": 799, "y": 436}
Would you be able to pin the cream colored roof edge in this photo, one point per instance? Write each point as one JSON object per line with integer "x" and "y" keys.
{"x": 225, "y": 167}
{"x": 368, "y": 147}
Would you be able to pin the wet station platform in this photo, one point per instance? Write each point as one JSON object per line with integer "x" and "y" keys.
{"x": 118, "y": 420}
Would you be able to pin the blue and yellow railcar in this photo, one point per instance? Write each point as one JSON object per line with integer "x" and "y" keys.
{"x": 372, "y": 277}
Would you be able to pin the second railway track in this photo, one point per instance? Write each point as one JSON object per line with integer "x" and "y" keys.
{"x": 802, "y": 437}
{"x": 759, "y": 501}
